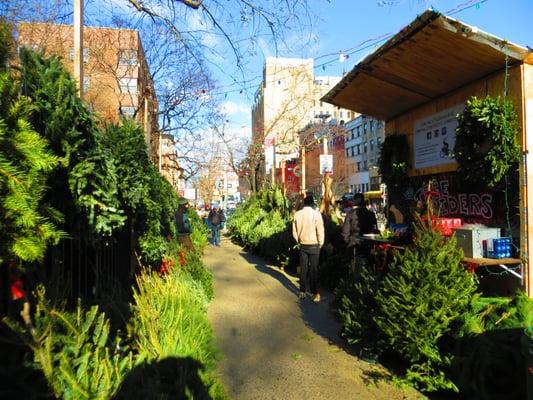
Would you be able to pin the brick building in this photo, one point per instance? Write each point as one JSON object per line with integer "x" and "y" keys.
{"x": 116, "y": 81}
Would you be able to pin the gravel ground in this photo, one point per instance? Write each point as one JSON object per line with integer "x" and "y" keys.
{"x": 275, "y": 346}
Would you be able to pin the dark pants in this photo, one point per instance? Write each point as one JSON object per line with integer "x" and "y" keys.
{"x": 309, "y": 255}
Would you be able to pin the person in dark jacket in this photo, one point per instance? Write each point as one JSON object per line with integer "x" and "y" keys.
{"x": 216, "y": 219}
{"x": 359, "y": 221}
{"x": 183, "y": 224}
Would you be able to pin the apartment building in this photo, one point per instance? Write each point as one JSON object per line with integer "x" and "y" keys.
{"x": 362, "y": 144}
{"x": 287, "y": 100}
{"x": 116, "y": 81}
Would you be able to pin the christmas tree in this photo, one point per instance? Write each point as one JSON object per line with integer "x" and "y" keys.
{"x": 424, "y": 293}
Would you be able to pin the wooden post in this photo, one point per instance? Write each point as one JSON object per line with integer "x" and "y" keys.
{"x": 325, "y": 148}
{"x": 302, "y": 172}
{"x": 78, "y": 44}
{"x": 283, "y": 185}
{"x": 526, "y": 179}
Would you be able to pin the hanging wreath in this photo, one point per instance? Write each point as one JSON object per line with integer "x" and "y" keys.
{"x": 394, "y": 160}
{"x": 486, "y": 142}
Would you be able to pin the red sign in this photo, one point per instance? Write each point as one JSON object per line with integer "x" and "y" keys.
{"x": 292, "y": 176}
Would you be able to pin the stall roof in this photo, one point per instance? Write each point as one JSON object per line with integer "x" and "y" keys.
{"x": 432, "y": 56}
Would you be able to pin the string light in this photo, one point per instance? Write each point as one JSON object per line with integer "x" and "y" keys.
{"x": 342, "y": 55}
{"x": 488, "y": 269}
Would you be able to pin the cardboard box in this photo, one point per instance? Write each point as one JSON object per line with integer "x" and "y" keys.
{"x": 473, "y": 240}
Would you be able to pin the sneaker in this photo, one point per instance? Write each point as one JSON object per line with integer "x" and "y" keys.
{"x": 301, "y": 295}
{"x": 316, "y": 298}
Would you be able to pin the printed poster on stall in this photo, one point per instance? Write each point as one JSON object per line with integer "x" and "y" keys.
{"x": 434, "y": 138}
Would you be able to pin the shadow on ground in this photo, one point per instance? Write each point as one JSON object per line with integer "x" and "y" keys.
{"x": 322, "y": 320}
{"x": 319, "y": 317}
{"x": 169, "y": 378}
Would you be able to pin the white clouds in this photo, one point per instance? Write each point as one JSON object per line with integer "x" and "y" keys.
{"x": 232, "y": 108}
{"x": 196, "y": 22}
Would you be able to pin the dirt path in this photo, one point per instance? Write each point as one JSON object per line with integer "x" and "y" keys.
{"x": 276, "y": 347}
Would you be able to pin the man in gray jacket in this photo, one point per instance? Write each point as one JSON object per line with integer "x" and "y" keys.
{"x": 308, "y": 231}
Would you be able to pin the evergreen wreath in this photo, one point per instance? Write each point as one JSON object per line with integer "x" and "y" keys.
{"x": 486, "y": 142}
{"x": 393, "y": 160}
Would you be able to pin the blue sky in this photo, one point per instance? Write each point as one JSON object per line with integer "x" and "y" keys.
{"x": 345, "y": 24}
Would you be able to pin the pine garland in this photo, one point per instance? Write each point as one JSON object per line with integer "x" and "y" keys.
{"x": 486, "y": 143}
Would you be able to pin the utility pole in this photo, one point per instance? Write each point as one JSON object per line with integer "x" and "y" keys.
{"x": 78, "y": 44}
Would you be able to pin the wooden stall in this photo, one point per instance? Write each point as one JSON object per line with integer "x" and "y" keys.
{"x": 423, "y": 76}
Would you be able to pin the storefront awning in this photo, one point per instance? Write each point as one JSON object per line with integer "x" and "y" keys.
{"x": 374, "y": 194}
{"x": 432, "y": 56}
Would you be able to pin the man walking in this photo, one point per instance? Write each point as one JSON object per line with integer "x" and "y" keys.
{"x": 308, "y": 231}
{"x": 216, "y": 219}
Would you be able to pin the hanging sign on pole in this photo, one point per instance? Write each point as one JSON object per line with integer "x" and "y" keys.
{"x": 326, "y": 164}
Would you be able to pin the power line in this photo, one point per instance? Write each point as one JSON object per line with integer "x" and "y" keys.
{"x": 364, "y": 45}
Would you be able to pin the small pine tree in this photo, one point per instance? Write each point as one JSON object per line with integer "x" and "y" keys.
{"x": 425, "y": 291}
{"x": 356, "y": 297}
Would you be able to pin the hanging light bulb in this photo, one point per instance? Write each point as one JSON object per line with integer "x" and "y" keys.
{"x": 342, "y": 57}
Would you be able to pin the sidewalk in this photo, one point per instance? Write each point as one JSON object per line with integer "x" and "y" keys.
{"x": 276, "y": 347}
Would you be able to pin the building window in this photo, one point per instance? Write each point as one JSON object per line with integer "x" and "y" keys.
{"x": 371, "y": 126}
{"x": 365, "y": 148}
{"x": 85, "y": 54}
{"x": 86, "y": 83}
{"x": 127, "y": 111}
{"x": 128, "y": 85}
{"x": 358, "y": 149}
{"x": 348, "y": 152}
{"x": 371, "y": 144}
{"x": 353, "y": 134}
{"x": 127, "y": 57}
{"x": 379, "y": 140}
{"x": 358, "y": 166}
{"x": 365, "y": 165}
{"x": 364, "y": 128}
{"x": 358, "y": 131}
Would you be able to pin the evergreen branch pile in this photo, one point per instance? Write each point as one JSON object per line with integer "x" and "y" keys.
{"x": 170, "y": 320}
{"x": 75, "y": 351}
{"x": 87, "y": 182}
{"x": 263, "y": 224}
{"x": 489, "y": 363}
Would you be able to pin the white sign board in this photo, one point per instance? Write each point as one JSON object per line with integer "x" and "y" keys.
{"x": 326, "y": 163}
{"x": 434, "y": 138}
{"x": 189, "y": 194}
